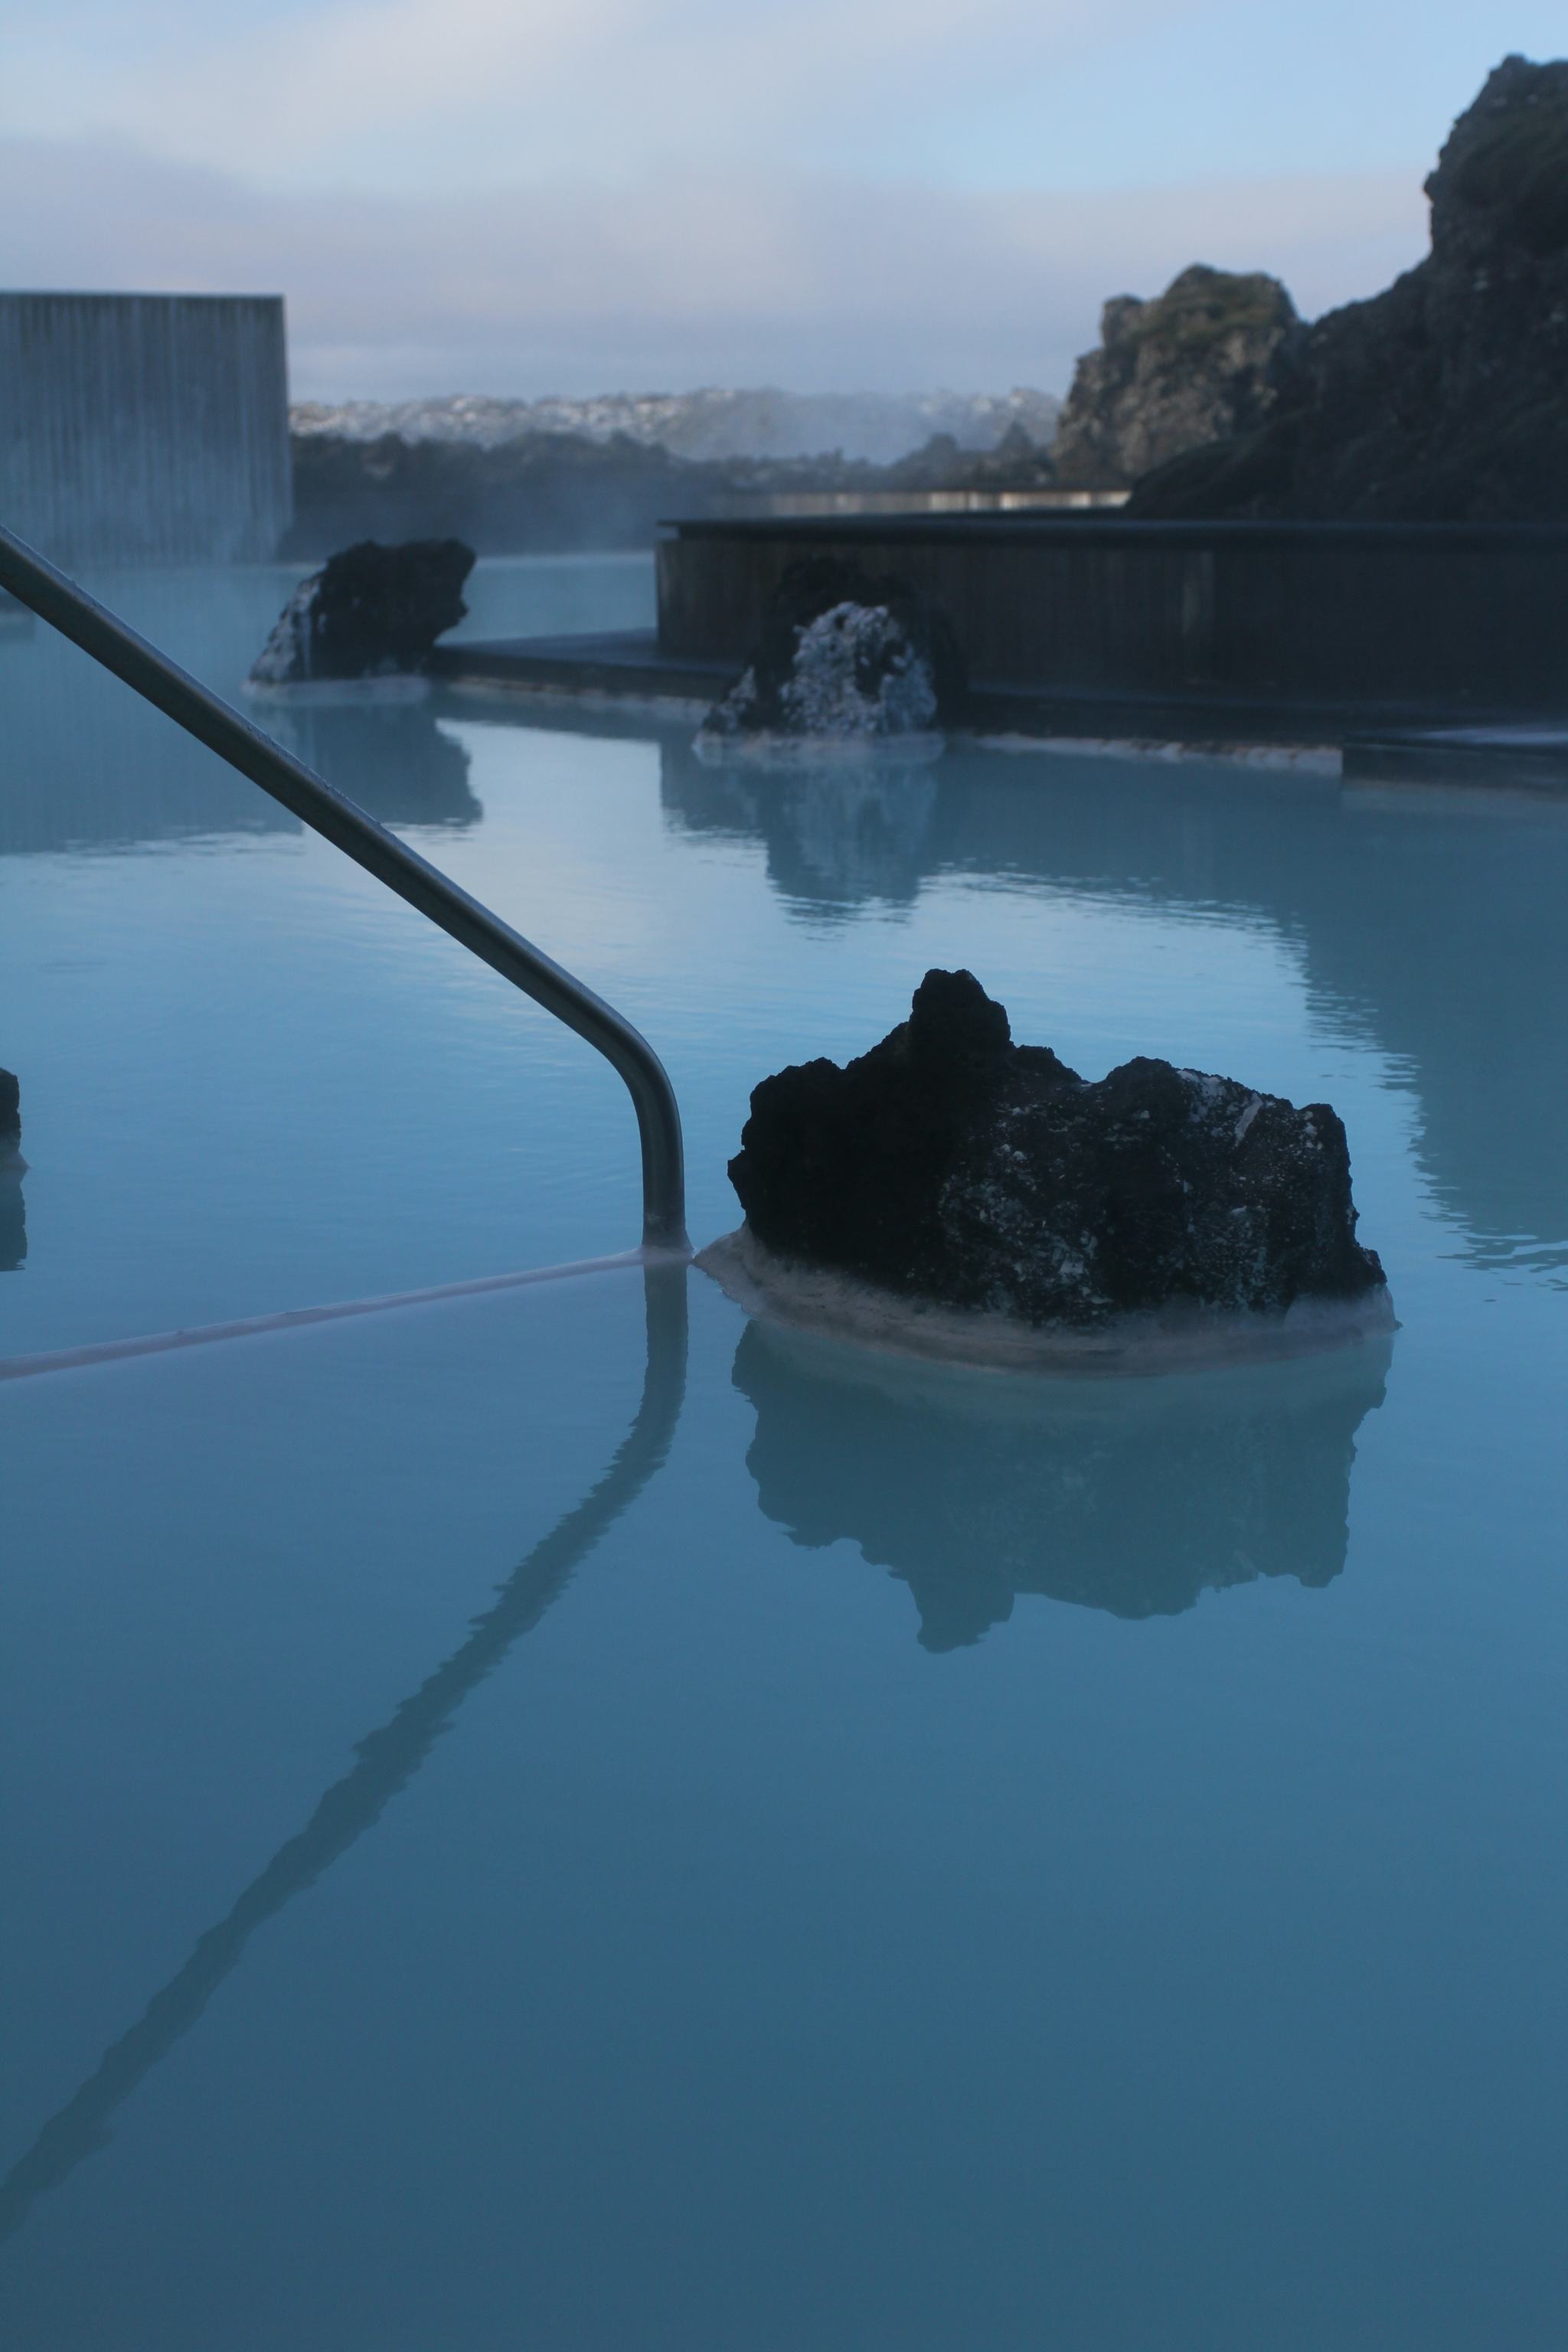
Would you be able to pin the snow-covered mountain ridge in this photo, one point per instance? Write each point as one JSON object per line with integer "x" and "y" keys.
{"x": 709, "y": 424}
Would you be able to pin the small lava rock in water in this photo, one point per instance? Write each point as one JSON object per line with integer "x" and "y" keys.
{"x": 370, "y": 611}
{"x": 10, "y": 1117}
{"x": 949, "y": 1165}
{"x": 842, "y": 655}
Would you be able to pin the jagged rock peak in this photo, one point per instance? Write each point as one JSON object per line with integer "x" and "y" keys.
{"x": 1502, "y": 179}
{"x": 1193, "y": 365}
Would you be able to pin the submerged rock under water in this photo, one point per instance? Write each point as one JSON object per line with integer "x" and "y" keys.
{"x": 950, "y": 1189}
{"x": 370, "y": 611}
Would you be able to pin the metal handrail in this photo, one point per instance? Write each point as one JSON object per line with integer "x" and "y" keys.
{"x": 88, "y": 623}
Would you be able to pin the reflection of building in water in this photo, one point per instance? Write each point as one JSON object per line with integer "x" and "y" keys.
{"x": 1133, "y": 1497}
{"x": 1432, "y": 930}
{"x": 836, "y": 837}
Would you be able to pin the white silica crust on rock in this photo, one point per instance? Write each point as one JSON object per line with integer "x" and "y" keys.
{"x": 854, "y": 677}
{"x": 286, "y": 655}
{"x": 1292, "y": 759}
{"x": 827, "y": 697}
{"x": 1179, "y": 1339}
{"x": 348, "y": 693}
{"x": 842, "y": 756}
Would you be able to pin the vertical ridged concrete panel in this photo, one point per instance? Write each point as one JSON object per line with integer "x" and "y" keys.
{"x": 1436, "y": 614}
{"x": 145, "y": 428}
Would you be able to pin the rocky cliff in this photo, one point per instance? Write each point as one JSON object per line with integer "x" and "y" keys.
{"x": 1441, "y": 399}
{"x": 1197, "y": 364}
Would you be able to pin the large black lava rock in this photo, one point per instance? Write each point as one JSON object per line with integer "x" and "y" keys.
{"x": 10, "y": 1117}
{"x": 844, "y": 653}
{"x": 949, "y": 1165}
{"x": 370, "y": 611}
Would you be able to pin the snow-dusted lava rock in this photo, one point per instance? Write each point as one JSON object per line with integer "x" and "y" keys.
{"x": 842, "y": 655}
{"x": 370, "y": 611}
{"x": 952, "y": 1167}
{"x": 853, "y": 672}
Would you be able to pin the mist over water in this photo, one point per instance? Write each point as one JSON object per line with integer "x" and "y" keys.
{"x": 708, "y": 424}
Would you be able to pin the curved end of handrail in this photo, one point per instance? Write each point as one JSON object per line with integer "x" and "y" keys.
{"x": 148, "y": 673}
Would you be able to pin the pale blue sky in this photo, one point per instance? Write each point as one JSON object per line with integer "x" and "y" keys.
{"x": 590, "y": 193}
{"x": 1251, "y": 88}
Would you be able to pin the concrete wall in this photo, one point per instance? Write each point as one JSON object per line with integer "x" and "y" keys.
{"x": 1441, "y": 613}
{"x": 145, "y": 428}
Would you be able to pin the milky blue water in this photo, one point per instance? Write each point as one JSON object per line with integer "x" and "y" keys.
{"x": 564, "y": 1819}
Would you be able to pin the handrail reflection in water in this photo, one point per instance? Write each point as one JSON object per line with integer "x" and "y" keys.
{"x": 388, "y": 1760}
